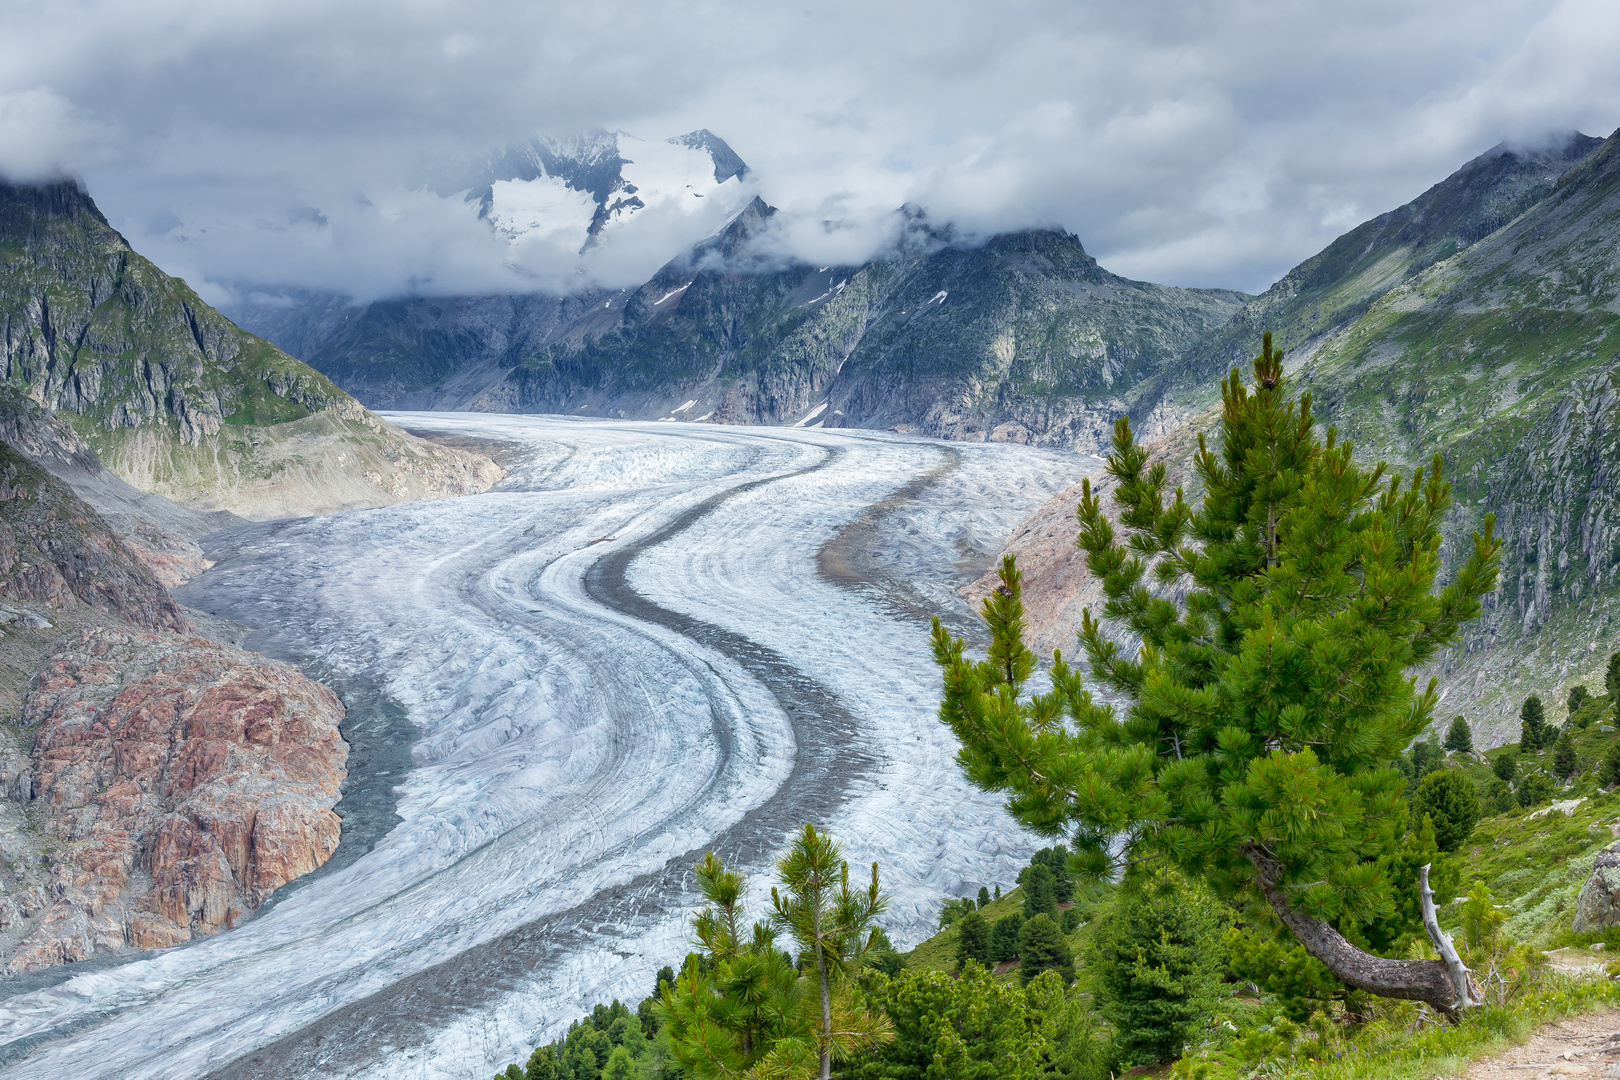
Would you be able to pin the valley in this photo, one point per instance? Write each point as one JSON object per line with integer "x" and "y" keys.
{"x": 625, "y": 653}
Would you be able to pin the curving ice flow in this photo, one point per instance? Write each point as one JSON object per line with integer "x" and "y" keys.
{"x": 650, "y": 640}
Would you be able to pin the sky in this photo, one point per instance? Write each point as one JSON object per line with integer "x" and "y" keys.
{"x": 286, "y": 143}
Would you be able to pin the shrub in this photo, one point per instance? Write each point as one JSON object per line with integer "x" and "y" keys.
{"x": 1427, "y": 756}
{"x": 1157, "y": 958}
{"x": 954, "y": 909}
{"x": 1499, "y": 796}
{"x": 1004, "y": 938}
{"x": 976, "y": 1028}
{"x": 972, "y": 940}
{"x": 1459, "y": 739}
{"x": 1577, "y": 698}
{"x": 1505, "y": 764}
{"x": 1301, "y": 982}
{"x": 1611, "y": 765}
{"x": 1449, "y": 799}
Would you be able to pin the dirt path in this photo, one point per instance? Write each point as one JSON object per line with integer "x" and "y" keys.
{"x": 1579, "y": 1046}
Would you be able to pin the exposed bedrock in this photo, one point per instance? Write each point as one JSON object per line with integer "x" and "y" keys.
{"x": 183, "y": 781}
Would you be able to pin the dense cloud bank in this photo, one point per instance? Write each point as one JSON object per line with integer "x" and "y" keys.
{"x": 1214, "y": 143}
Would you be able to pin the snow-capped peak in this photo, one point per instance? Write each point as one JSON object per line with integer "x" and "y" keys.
{"x": 578, "y": 192}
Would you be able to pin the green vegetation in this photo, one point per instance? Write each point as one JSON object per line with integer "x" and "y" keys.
{"x": 1459, "y": 740}
{"x": 1534, "y": 733}
{"x": 972, "y": 941}
{"x": 1157, "y": 961}
{"x": 1266, "y": 706}
{"x": 977, "y": 1028}
{"x": 1447, "y": 797}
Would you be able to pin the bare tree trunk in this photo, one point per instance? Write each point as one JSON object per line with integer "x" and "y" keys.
{"x": 1428, "y": 981}
{"x": 1462, "y": 980}
{"x": 826, "y": 1016}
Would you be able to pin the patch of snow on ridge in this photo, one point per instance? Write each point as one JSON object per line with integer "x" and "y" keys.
{"x": 545, "y": 210}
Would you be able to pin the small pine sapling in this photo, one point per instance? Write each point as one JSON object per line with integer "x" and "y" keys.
{"x": 1505, "y": 764}
{"x": 1459, "y": 739}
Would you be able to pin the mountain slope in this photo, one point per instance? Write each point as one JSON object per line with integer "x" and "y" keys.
{"x": 1024, "y": 338}
{"x": 172, "y": 396}
{"x": 1503, "y": 357}
{"x": 1334, "y": 287}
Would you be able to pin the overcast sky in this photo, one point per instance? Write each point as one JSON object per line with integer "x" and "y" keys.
{"x": 1193, "y": 143}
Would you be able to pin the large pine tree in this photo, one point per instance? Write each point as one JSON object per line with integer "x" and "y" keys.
{"x": 1266, "y": 703}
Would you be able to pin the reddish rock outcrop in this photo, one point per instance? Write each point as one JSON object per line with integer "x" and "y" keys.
{"x": 1057, "y": 584}
{"x": 185, "y": 781}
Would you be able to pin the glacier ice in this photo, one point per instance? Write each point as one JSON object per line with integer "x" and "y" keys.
{"x": 624, "y": 654}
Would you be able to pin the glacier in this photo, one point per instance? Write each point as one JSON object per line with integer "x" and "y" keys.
{"x": 650, "y": 640}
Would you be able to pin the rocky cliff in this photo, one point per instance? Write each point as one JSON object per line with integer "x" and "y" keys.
{"x": 172, "y": 396}
{"x": 1336, "y": 286}
{"x": 176, "y": 782}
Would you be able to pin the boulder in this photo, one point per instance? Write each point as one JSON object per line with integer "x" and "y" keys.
{"x": 1598, "y": 906}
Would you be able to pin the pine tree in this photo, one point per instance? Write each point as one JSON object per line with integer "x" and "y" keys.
{"x": 1267, "y": 698}
{"x": 1577, "y": 697}
{"x": 1157, "y": 958}
{"x": 1611, "y": 766}
{"x": 1040, "y": 891}
{"x": 1532, "y": 725}
{"x": 1459, "y": 740}
{"x": 1041, "y": 947}
{"x": 730, "y": 1007}
{"x": 1565, "y": 760}
{"x": 1611, "y": 682}
{"x": 1448, "y": 798}
{"x": 1505, "y": 764}
{"x": 1004, "y": 938}
{"x": 972, "y": 940}
{"x": 620, "y": 1065}
{"x": 829, "y": 920}
{"x": 984, "y": 897}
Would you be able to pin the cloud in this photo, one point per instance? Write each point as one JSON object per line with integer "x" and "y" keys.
{"x": 1197, "y": 143}
{"x": 43, "y": 135}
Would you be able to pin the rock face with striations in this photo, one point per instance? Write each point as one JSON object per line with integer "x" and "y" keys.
{"x": 1598, "y": 906}
{"x": 184, "y": 781}
{"x": 56, "y": 550}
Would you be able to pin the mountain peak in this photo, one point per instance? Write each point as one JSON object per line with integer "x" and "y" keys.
{"x": 46, "y": 200}
{"x": 726, "y": 162}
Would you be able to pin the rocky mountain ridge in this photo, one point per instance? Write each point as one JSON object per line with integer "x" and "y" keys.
{"x": 182, "y": 782}
{"x": 1023, "y": 338}
{"x": 173, "y": 397}
{"x": 154, "y": 785}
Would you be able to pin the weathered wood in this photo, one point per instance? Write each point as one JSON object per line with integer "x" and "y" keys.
{"x": 1427, "y": 981}
{"x": 1467, "y": 991}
